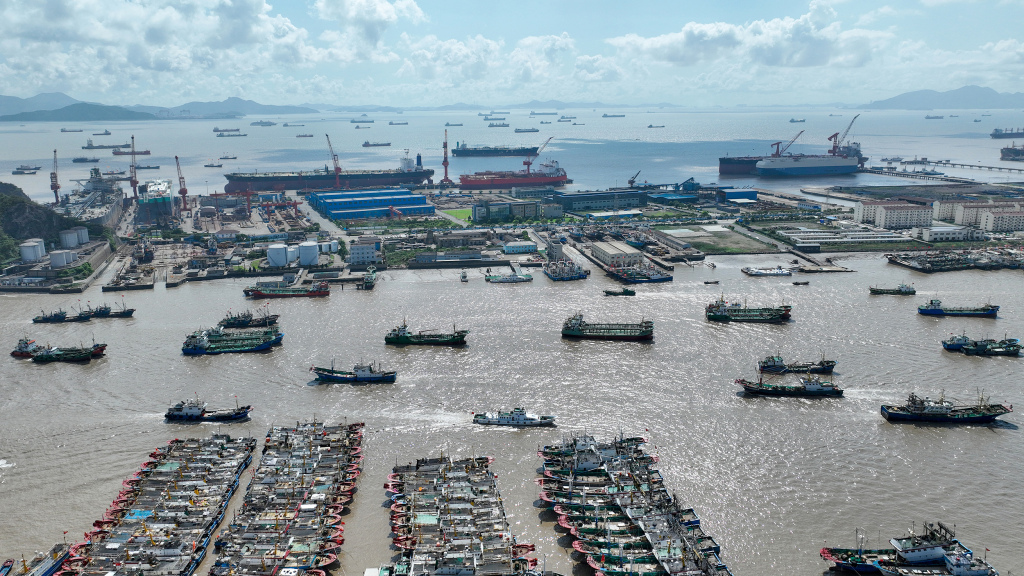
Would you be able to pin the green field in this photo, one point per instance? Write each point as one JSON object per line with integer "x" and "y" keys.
{"x": 463, "y": 214}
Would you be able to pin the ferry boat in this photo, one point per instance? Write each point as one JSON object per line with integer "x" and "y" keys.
{"x": 775, "y": 365}
{"x": 247, "y": 320}
{"x": 51, "y": 318}
{"x": 25, "y": 348}
{"x": 925, "y": 409}
{"x": 935, "y": 308}
{"x": 575, "y": 327}
{"x": 777, "y": 271}
{"x": 193, "y": 410}
{"x": 401, "y": 335}
{"x": 360, "y": 373}
{"x": 722, "y": 311}
{"x": 565, "y": 270}
{"x": 624, "y": 292}
{"x": 812, "y": 386}
{"x": 518, "y": 417}
{"x": 901, "y": 290}
{"x": 314, "y": 290}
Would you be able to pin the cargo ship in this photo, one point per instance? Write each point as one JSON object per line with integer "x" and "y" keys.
{"x": 722, "y": 311}
{"x": 201, "y": 343}
{"x": 901, "y": 290}
{"x": 218, "y": 130}
{"x": 1012, "y": 153}
{"x": 369, "y": 144}
{"x": 813, "y": 386}
{"x": 1004, "y": 347}
{"x": 775, "y": 365}
{"x": 461, "y": 149}
{"x": 576, "y": 327}
{"x": 271, "y": 291}
{"x": 119, "y": 152}
{"x": 550, "y": 174}
{"x": 801, "y": 165}
{"x": 406, "y": 174}
{"x": 738, "y": 164}
{"x": 194, "y": 410}
{"x": 401, "y": 335}
{"x": 1007, "y": 133}
{"x": 925, "y": 409}
{"x": 263, "y": 123}
{"x": 90, "y": 146}
{"x": 935, "y": 308}
{"x": 360, "y": 373}
{"x": 248, "y": 320}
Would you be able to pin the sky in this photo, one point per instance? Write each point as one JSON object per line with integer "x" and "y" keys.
{"x": 437, "y": 52}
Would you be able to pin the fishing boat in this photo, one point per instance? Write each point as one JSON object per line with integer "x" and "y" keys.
{"x": 812, "y": 386}
{"x": 518, "y": 417}
{"x": 901, "y": 290}
{"x": 576, "y": 327}
{"x": 208, "y": 342}
{"x": 956, "y": 342}
{"x": 565, "y": 270}
{"x": 51, "y": 318}
{"x": 271, "y": 290}
{"x": 360, "y": 373}
{"x": 25, "y": 348}
{"x": 401, "y": 335}
{"x": 777, "y": 271}
{"x": 722, "y": 311}
{"x": 46, "y": 563}
{"x": 194, "y": 410}
{"x": 641, "y": 274}
{"x": 925, "y": 409}
{"x": 624, "y": 292}
{"x": 915, "y": 549}
{"x": 775, "y": 365}
{"x": 6, "y": 567}
{"x": 463, "y": 277}
{"x": 1005, "y": 347}
{"x": 81, "y": 316}
{"x": 248, "y": 320}
{"x": 935, "y": 308}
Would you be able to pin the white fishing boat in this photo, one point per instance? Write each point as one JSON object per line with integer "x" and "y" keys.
{"x": 777, "y": 271}
{"x": 518, "y": 417}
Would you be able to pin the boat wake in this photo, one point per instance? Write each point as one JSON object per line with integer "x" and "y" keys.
{"x": 5, "y": 463}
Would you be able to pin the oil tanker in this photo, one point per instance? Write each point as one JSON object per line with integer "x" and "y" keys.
{"x": 461, "y": 149}
{"x": 319, "y": 179}
{"x": 550, "y": 174}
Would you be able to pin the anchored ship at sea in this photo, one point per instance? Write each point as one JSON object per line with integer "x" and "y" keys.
{"x": 463, "y": 149}
{"x": 925, "y": 409}
{"x": 370, "y": 373}
{"x": 576, "y": 327}
{"x": 401, "y": 335}
{"x": 722, "y": 311}
{"x": 935, "y": 308}
{"x": 517, "y": 418}
{"x": 811, "y": 386}
{"x": 1013, "y": 153}
{"x": 216, "y": 341}
{"x": 195, "y": 410}
{"x": 776, "y": 365}
{"x": 901, "y": 290}
{"x": 408, "y": 173}
{"x": 1008, "y": 133}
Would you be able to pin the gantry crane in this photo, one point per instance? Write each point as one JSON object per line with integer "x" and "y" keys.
{"x": 54, "y": 184}
{"x": 780, "y": 151}
{"x": 337, "y": 165}
{"x": 529, "y": 160}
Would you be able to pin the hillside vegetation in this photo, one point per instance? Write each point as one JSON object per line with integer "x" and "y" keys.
{"x": 21, "y": 219}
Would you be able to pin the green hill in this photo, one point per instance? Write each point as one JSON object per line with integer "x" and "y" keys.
{"x": 21, "y": 219}
{"x": 81, "y": 112}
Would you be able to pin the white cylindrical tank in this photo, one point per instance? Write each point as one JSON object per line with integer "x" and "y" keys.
{"x": 58, "y": 258}
{"x": 40, "y": 246}
{"x": 68, "y": 239}
{"x": 293, "y": 253}
{"x": 277, "y": 255}
{"x": 334, "y": 246}
{"x": 309, "y": 255}
{"x": 29, "y": 252}
{"x": 72, "y": 256}
{"x": 83, "y": 234}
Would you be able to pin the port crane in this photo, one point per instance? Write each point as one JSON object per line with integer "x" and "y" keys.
{"x": 837, "y": 140}
{"x": 780, "y": 151}
{"x": 529, "y": 161}
{"x": 446, "y": 181}
{"x": 182, "y": 190}
{"x": 54, "y": 184}
{"x": 632, "y": 180}
{"x": 133, "y": 178}
{"x": 337, "y": 165}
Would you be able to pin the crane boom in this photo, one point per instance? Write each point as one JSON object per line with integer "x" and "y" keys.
{"x": 529, "y": 160}
{"x": 54, "y": 184}
{"x": 337, "y": 165}
{"x": 847, "y": 131}
{"x": 182, "y": 190}
{"x": 132, "y": 176}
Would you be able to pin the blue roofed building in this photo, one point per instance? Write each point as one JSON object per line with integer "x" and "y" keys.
{"x": 372, "y": 203}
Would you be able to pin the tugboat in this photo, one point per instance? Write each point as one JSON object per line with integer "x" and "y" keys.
{"x": 624, "y": 292}
{"x": 722, "y": 311}
{"x": 935, "y": 308}
{"x": 812, "y": 386}
{"x": 775, "y": 365}
{"x": 51, "y": 318}
{"x": 575, "y": 327}
{"x": 360, "y": 373}
{"x": 25, "y": 348}
{"x": 518, "y": 418}
{"x": 247, "y": 320}
{"x": 193, "y": 410}
{"x": 925, "y": 409}
{"x": 314, "y": 290}
{"x": 901, "y": 290}
{"x": 401, "y": 335}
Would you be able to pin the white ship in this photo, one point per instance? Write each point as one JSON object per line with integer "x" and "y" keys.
{"x": 800, "y": 165}
{"x": 777, "y": 271}
{"x": 518, "y": 417}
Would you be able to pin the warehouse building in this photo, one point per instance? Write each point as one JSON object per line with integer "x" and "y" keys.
{"x": 616, "y": 254}
{"x": 613, "y": 199}
{"x": 377, "y": 203}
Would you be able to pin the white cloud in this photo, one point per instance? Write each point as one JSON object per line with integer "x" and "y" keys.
{"x": 451, "y": 62}
{"x": 882, "y": 13}
{"x": 596, "y": 69}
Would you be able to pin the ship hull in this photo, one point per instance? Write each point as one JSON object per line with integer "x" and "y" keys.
{"x": 1007, "y": 134}
{"x": 256, "y": 293}
{"x": 758, "y": 391}
{"x": 623, "y": 334}
{"x": 509, "y": 180}
{"x": 738, "y": 164}
{"x": 806, "y": 166}
{"x": 271, "y": 181}
{"x": 472, "y": 152}
{"x": 447, "y": 340}
{"x": 325, "y": 375}
{"x": 968, "y": 313}
{"x": 213, "y": 416}
{"x": 893, "y": 414}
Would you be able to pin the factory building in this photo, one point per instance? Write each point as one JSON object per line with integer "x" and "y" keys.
{"x": 365, "y": 251}
{"x": 610, "y": 199}
{"x": 377, "y": 203}
{"x": 520, "y": 247}
{"x": 616, "y": 254}
{"x": 499, "y": 211}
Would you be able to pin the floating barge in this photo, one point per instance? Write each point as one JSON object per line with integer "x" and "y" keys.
{"x": 290, "y": 523}
{"x": 615, "y": 505}
{"x": 162, "y": 520}
{"x": 447, "y": 517}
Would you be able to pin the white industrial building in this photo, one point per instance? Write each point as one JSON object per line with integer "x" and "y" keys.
{"x": 364, "y": 253}
{"x": 970, "y": 214}
{"x": 894, "y": 217}
{"x": 1002, "y": 221}
{"x": 948, "y": 234}
{"x": 616, "y": 254}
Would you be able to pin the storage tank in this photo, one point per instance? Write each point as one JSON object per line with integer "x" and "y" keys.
{"x": 334, "y": 246}
{"x": 309, "y": 255}
{"x": 29, "y": 252}
{"x": 293, "y": 253}
{"x": 59, "y": 258}
{"x": 68, "y": 239}
{"x": 72, "y": 256}
{"x": 83, "y": 234}
{"x": 40, "y": 246}
{"x": 277, "y": 255}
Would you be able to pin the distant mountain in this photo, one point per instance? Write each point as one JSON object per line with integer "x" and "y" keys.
{"x": 966, "y": 98}
{"x": 231, "y": 107}
{"x": 80, "y": 112}
{"x": 50, "y": 101}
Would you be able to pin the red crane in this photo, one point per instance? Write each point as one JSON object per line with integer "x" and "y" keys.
{"x": 337, "y": 165}
{"x": 529, "y": 160}
{"x": 183, "y": 191}
{"x": 837, "y": 140}
{"x": 54, "y": 184}
{"x": 780, "y": 151}
{"x": 132, "y": 177}
{"x": 446, "y": 181}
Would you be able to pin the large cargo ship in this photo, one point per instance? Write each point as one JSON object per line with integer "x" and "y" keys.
{"x": 90, "y": 146}
{"x": 576, "y": 327}
{"x": 1007, "y": 133}
{"x": 550, "y": 174}
{"x": 407, "y": 174}
{"x": 800, "y": 165}
{"x": 99, "y": 200}
{"x": 738, "y": 164}
{"x": 1014, "y": 153}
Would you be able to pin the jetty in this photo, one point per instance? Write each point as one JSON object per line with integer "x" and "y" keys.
{"x": 447, "y": 517}
{"x": 616, "y": 507}
{"x": 290, "y": 520}
{"x": 162, "y": 520}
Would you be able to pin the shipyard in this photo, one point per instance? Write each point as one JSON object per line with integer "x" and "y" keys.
{"x": 400, "y": 289}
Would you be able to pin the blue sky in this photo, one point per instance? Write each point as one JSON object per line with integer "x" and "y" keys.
{"x": 436, "y": 52}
